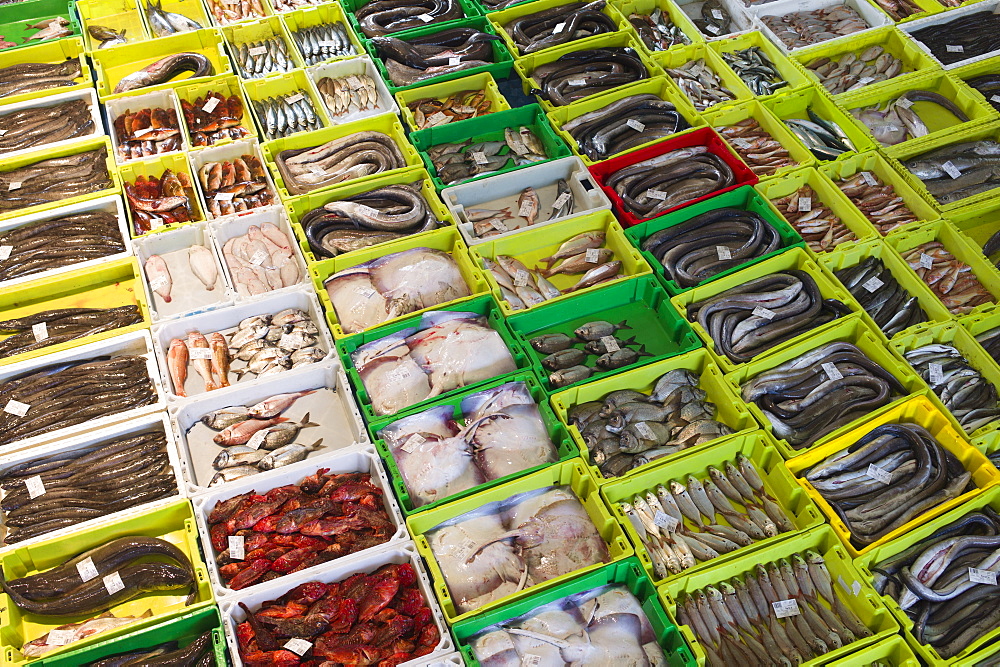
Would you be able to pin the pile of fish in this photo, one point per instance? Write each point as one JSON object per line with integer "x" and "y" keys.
{"x": 165, "y": 69}
{"x": 504, "y": 547}
{"x": 370, "y": 293}
{"x": 201, "y": 263}
{"x": 755, "y": 69}
{"x": 62, "y": 395}
{"x": 368, "y": 218}
{"x": 214, "y": 118}
{"x": 267, "y": 343}
{"x": 354, "y": 156}
{"x": 347, "y": 94}
{"x": 899, "y": 9}
{"x": 261, "y": 260}
{"x": 286, "y": 114}
{"x": 587, "y": 72}
{"x": 60, "y": 241}
{"x": 52, "y": 327}
{"x": 503, "y": 433}
{"x": 898, "y": 122}
{"x": 738, "y": 622}
{"x": 856, "y": 70}
{"x": 74, "y": 632}
{"x": 877, "y": 201}
{"x": 559, "y": 25}
{"x": 989, "y": 86}
{"x": 289, "y": 5}
{"x": 256, "y": 60}
{"x": 106, "y": 36}
{"x": 421, "y": 58}
{"x": 30, "y": 77}
{"x": 167, "y": 23}
{"x": 259, "y": 537}
{"x": 199, "y": 652}
{"x": 746, "y": 320}
{"x": 598, "y": 340}
{"x": 714, "y": 19}
{"x": 819, "y": 226}
{"x": 798, "y": 29}
{"x": 969, "y": 397}
{"x": 225, "y": 12}
{"x": 961, "y": 38}
{"x": 710, "y": 243}
{"x": 951, "y": 279}
{"x": 38, "y": 126}
{"x": 880, "y": 294}
{"x": 235, "y": 186}
{"x": 762, "y": 152}
{"x": 957, "y": 171}
{"x": 943, "y": 582}
{"x": 155, "y": 202}
{"x": 378, "y": 17}
{"x": 377, "y": 618}
{"x": 53, "y": 28}
{"x": 447, "y": 350}
{"x": 890, "y": 476}
{"x": 147, "y": 132}
{"x": 990, "y": 340}
{"x": 657, "y": 31}
{"x": 700, "y": 83}
{"x": 824, "y": 138}
{"x": 51, "y": 492}
{"x": 458, "y": 162}
{"x": 55, "y": 179}
{"x": 487, "y": 222}
{"x": 602, "y": 626}
{"x": 819, "y": 391}
{"x": 628, "y": 429}
{"x": 431, "y": 112}
{"x": 652, "y": 187}
{"x": 625, "y": 124}
{"x": 683, "y": 525}
{"x": 322, "y": 42}
{"x": 256, "y": 438}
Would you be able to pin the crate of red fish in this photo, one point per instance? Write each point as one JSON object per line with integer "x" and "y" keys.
{"x": 307, "y": 514}
{"x": 671, "y": 174}
{"x": 378, "y": 610}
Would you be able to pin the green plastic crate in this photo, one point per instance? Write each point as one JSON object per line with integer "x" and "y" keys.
{"x": 490, "y": 128}
{"x": 565, "y": 446}
{"x": 469, "y": 8}
{"x": 15, "y": 16}
{"x": 795, "y": 103}
{"x": 892, "y": 651}
{"x": 745, "y": 198}
{"x": 483, "y": 81}
{"x": 730, "y": 410}
{"x": 627, "y": 572}
{"x": 502, "y": 18}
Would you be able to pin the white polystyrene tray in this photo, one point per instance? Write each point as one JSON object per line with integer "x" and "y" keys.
{"x": 87, "y": 94}
{"x": 162, "y": 99}
{"x": 148, "y": 423}
{"x": 736, "y": 10}
{"x": 109, "y": 203}
{"x": 364, "y": 460}
{"x": 874, "y": 17}
{"x": 447, "y": 660}
{"x": 349, "y": 431}
{"x": 946, "y": 17}
{"x": 227, "y": 227}
{"x": 134, "y": 343}
{"x": 228, "y": 152}
{"x": 228, "y": 318}
{"x": 503, "y": 190}
{"x": 357, "y": 65}
{"x": 188, "y": 295}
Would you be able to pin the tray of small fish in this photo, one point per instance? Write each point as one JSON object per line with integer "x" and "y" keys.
{"x": 358, "y": 595}
{"x": 321, "y": 33}
{"x": 490, "y": 209}
{"x": 146, "y": 125}
{"x": 347, "y": 508}
{"x": 660, "y": 25}
{"x": 654, "y": 180}
{"x": 958, "y": 37}
{"x": 459, "y": 540}
{"x": 285, "y": 105}
{"x": 762, "y": 67}
{"x": 261, "y": 428}
{"x": 724, "y": 501}
{"x": 611, "y": 614}
{"x": 717, "y": 19}
{"x": 232, "y": 178}
{"x": 37, "y": 71}
{"x": 906, "y": 466}
{"x": 259, "y": 252}
{"x": 450, "y": 101}
{"x": 61, "y": 312}
{"x": 352, "y": 89}
{"x": 242, "y": 343}
{"x": 703, "y": 76}
{"x": 954, "y": 171}
{"x": 535, "y": 27}
{"x": 797, "y": 24}
{"x": 764, "y": 143}
{"x": 106, "y": 24}
{"x": 178, "y": 16}
{"x": 48, "y": 122}
{"x": 36, "y": 21}
{"x": 88, "y": 480}
{"x": 650, "y": 414}
{"x": 802, "y": 600}
{"x": 261, "y": 49}
{"x": 49, "y": 612}
{"x": 160, "y": 193}
{"x": 828, "y": 132}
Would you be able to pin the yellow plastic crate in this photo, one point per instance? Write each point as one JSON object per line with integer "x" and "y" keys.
{"x": 122, "y": 16}
{"x": 681, "y": 55}
{"x": 483, "y": 81}
{"x": 155, "y": 167}
{"x": 49, "y": 52}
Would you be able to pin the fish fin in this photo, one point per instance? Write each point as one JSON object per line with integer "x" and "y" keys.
{"x": 313, "y": 447}
{"x": 305, "y": 423}
{"x": 145, "y": 614}
{"x": 642, "y": 350}
{"x": 631, "y": 341}
{"x": 623, "y": 325}
{"x": 549, "y": 261}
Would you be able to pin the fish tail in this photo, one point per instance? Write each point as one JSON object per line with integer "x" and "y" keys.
{"x": 549, "y": 261}
{"x": 623, "y": 325}
{"x": 313, "y": 447}
{"x": 306, "y": 423}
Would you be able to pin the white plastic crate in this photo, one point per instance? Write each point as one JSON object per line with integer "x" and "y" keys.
{"x": 358, "y": 65}
{"x": 87, "y": 94}
{"x": 736, "y": 10}
{"x": 161, "y": 99}
{"x": 873, "y": 16}
{"x": 223, "y": 153}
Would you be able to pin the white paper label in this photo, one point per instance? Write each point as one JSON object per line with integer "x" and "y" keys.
{"x": 610, "y": 343}
{"x": 892, "y": 128}
{"x": 635, "y": 125}
{"x": 211, "y": 104}
{"x": 951, "y": 169}
{"x": 766, "y": 313}
{"x": 297, "y": 97}
{"x": 531, "y": 660}
{"x": 832, "y": 371}
{"x": 856, "y": 587}
{"x": 40, "y": 331}
{"x": 258, "y": 50}
{"x": 717, "y": 13}
{"x": 16, "y": 408}
{"x": 329, "y": 43}
{"x": 5, "y": 251}
{"x": 868, "y": 178}
{"x": 577, "y": 82}
{"x": 298, "y": 646}
{"x": 664, "y": 520}
{"x": 785, "y": 608}
{"x": 452, "y": 62}
{"x": 86, "y": 569}
{"x": 805, "y": 204}
{"x": 58, "y": 637}
{"x": 644, "y": 431}
{"x": 465, "y": 550}
{"x": 237, "y": 547}
{"x": 593, "y": 256}
{"x": 155, "y": 222}
{"x": 499, "y": 225}
{"x": 527, "y": 206}
{"x": 426, "y": 18}
{"x": 142, "y": 131}
{"x": 926, "y": 261}
{"x": 995, "y": 98}
{"x": 224, "y": 196}
{"x": 872, "y": 284}
{"x": 714, "y": 29}
{"x": 879, "y": 474}
{"x": 561, "y": 200}
{"x": 656, "y": 194}
{"x": 936, "y": 373}
{"x": 3, "y": 132}
{"x": 16, "y": 185}
{"x": 559, "y": 28}
{"x": 520, "y": 278}
{"x": 479, "y": 157}
{"x": 257, "y": 439}
{"x": 158, "y": 282}
{"x": 113, "y": 583}
{"x": 259, "y": 257}
{"x": 954, "y": 48}
{"x": 978, "y": 576}
{"x": 199, "y": 353}
{"x": 723, "y": 252}
{"x": 904, "y": 102}
{"x": 35, "y": 486}
{"x": 411, "y": 444}
{"x": 437, "y": 118}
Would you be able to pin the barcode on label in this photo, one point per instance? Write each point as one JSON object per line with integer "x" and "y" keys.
{"x": 951, "y": 169}
{"x": 426, "y": 18}
{"x": 258, "y": 50}
{"x": 978, "y": 576}
{"x": 113, "y": 583}
{"x": 995, "y": 98}
{"x": 926, "y": 261}
{"x": 5, "y": 251}
{"x": 664, "y": 520}
{"x": 16, "y": 408}
{"x": 35, "y": 486}
{"x": 785, "y": 608}
{"x": 644, "y": 431}
{"x": 298, "y": 646}
{"x": 635, "y": 125}
{"x": 40, "y": 331}
{"x": 158, "y": 282}
{"x": 224, "y": 196}
{"x": 59, "y": 637}
{"x": 766, "y": 313}
{"x": 723, "y": 252}
{"x": 610, "y": 343}
{"x": 237, "y": 547}
{"x": 656, "y": 194}
{"x": 520, "y": 278}
{"x": 872, "y": 284}
{"x": 257, "y": 439}
{"x": 935, "y": 373}
{"x": 480, "y": 157}
{"x": 439, "y": 117}
{"x": 259, "y": 257}
{"x": 16, "y": 185}
{"x": 868, "y": 178}
{"x": 86, "y": 569}
{"x": 717, "y": 13}
{"x": 832, "y": 371}
{"x": 954, "y": 48}
{"x": 297, "y": 97}
{"x": 411, "y": 444}
{"x": 199, "y": 353}
{"x": 879, "y": 474}
{"x": 561, "y": 200}
{"x": 577, "y": 82}
{"x": 805, "y": 204}
{"x": 211, "y": 104}
{"x": 593, "y": 256}
{"x": 141, "y": 131}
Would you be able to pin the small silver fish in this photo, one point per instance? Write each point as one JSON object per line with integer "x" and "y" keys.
{"x": 226, "y": 417}
{"x": 287, "y": 455}
{"x": 233, "y": 474}
{"x": 237, "y": 456}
